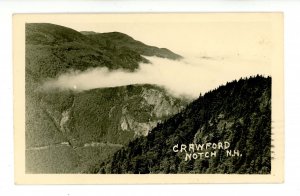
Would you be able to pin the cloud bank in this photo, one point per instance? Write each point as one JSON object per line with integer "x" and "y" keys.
{"x": 189, "y": 76}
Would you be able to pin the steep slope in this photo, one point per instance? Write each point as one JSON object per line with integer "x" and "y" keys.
{"x": 114, "y": 115}
{"x": 66, "y": 123}
{"x": 238, "y": 113}
{"x": 131, "y": 112}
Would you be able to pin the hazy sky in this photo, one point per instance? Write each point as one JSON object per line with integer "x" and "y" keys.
{"x": 248, "y": 40}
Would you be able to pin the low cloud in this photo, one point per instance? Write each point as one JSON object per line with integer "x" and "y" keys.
{"x": 189, "y": 76}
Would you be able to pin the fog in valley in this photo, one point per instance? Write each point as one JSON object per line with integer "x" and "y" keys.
{"x": 189, "y": 76}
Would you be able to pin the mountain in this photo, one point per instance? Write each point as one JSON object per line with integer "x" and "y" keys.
{"x": 237, "y": 115}
{"x": 112, "y": 115}
{"x": 52, "y": 50}
{"x": 98, "y": 118}
{"x": 70, "y": 131}
{"x": 124, "y": 41}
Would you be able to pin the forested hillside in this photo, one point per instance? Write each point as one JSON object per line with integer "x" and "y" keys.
{"x": 238, "y": 113}
{"x": 53, "y": 49}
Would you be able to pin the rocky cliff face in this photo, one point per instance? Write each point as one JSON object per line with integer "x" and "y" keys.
{"x": 117, "y": 115}
{"x": 162, "y": 106}
{"x": 103, "y": 114}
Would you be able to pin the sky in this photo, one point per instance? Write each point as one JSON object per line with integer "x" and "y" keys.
{"x": 248, "y": 40}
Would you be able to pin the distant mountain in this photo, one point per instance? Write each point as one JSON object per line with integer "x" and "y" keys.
{"x": 52, "y": 50}
{"x": 88, "y": 32}
{"x": 238, "y": 113}
{"x": 124, "y": 41}
{"x": 69, "y": 131}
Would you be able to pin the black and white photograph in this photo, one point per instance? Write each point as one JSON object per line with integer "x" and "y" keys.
{"x": 150, "y": 95}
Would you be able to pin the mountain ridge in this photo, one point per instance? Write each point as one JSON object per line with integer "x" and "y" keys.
{"x": 123, "y": 40}
{"x": 52, "y": 50}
